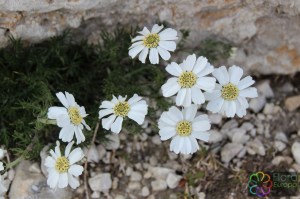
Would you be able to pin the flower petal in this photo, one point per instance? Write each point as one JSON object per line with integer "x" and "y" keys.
{"x": 136, "y": 50}
{"x": 75, "y": 170}
{"x": 143, "y": 55}
{"x": 222, "y": 75}
{"x": 207, "y": 70}
{"x": 231, "y": 110}
{"x": 190, "y": 112}
{"x": 201, "y": 135}
{"x": 106, "y": 122}
{"x": 168, "y": 45}
{"x": 209, "y": 96}
{"x": 73, "y": 182}
{"x": 50, "y": 162}
{"x": 70, "y": 98}
{"x": 206, "y": 83}
{"x": 250, "y": 92}
{"x": 135, "y": 98}
{"x": 145, "y": 31}
{"x": 167, "y": 132}
{"x": 137, "y": 38}
{"x": 63, "y": 180}
{"x": 197, "y": 95}
{"x": 54, "y": 112}
{"x": 200, "y": 64}
{"x": 62, "y": 99}
{"x": 168, "y": 34}
{"x": 75, "y": 155}
{"x": 163, "y": 53}
{"x": 138, "y": 117}
{"x": 79, "y": 135}
{"x": 245, "y": 82}
{"x": 66, "y": 133}
{"x": 136, "y": 44}
{"x": 105, "y": 112}
{"x": 107, "y": 104}
{"x": 188, "y": 98}
{"x": 68, "y": 148}
{"x": 117, "y": 125}
{"x": 190, "y": 62}
{"x": 201, "y": 125}
{"x": 53, "y": 178}
{"x": 153, "y": 57}
{"x": 175, "y": 114}
{"x": 235, "y": 74}
{"x": 215, "y": 105}
{"x": 171, "y": 87}
{"x": 174, "y": 69}
{"x": 156, "y": 28}
{"x": 180, "y": 96}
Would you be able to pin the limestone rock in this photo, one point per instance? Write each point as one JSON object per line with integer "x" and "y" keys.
{"x": 292, "y": 103}
{"x": 101, "y": 182}
{"x": 230, "y": 150}
{"x": 296, "y": 152}
{"x": 173, "y": 180}
{"x": 159, "y": 185}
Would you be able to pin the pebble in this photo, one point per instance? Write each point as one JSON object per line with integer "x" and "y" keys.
{"x": 115, "y": 183}
{"x": 136, "y": 176}
{"x": 134, "y": 186}
{"x": 160, "y": 172}
{"x": 234, "y": 131}
{"x": 265, "y": 89}
{"x": 35, "y": 168}
{"x": 201, "y": 195}
{"x": 215, "y": 118}
{"x": 92, "y": 154}
{"x": 153, "y": 160}
{"x": 172, "y": 155}
{"x": 292, "y": 103}
{"x": 270, "y": 108}
{"x": 278, "y": 159}
{"x": 173, "y": 180}
{"x": 252, "y": 132}
{"x": 128, "y": 171}
{"x": 287, "y": 87}
{"x": 242, "y": 153}
{"x": 256, "y": 146}
{"x": 280, "y": 136}
{"x": 296, "y": 152}
{"x": 247, "y": 126}
{"x": 145, "y": 191}
{"x": 240, "y": 137}
{"x": 95, "y": 194}
{"x": 114, "y": 141}
{"x": 156, "y": 140}
{"x": 257, "y": 104}
{"x": 215, "y": 136}
{"x": 101, "y": 182}
{"x": 280, "y": 146}
{"x": 101, "y": 151}
{"x": 230, "y": 125}
{"x": 229, "y": 151}
{"x": 119, "y": 197}
{"x": 159, "y": 185}
{"x": 296, "y": 167}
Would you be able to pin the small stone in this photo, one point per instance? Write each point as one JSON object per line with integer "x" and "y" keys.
{"x": 201, "y": 195}
{"x": 215, "y": 136}
{"x": 35, "y": 168}
{"x": 119, "y": 197}
{"x": 173, "y": 180}
{"x": 234, "y": 131}
{"x": 280, "y": 136}
{"x": 159, "y": 185}
{"x": 252, "y": 132}
{"x": 115, "y": 183}
{"x": 240, "y": 137}
{"x": 242, "y": 153}
{"x": 153, "y": 160}
{"x": 247, "y": 126}
{"x": 114, "y": 141}
{"x": 265, "y": 89}
{"x": 257, "y": 104}
{"x": 270, "y": 108}
{"x": 100, "y": 182}
{"x": 101, "y": 151}
{"x": 134, "y": 186}
{"x": 230, "y": 125}
{"x": 92, "y": 154}
{"x": 296, "y": 167}
{"x": 145, "y": 191}
{"x": 147, "y": 175}
{"x": 278, "y": 159}
{"x": 136, "y": 176}
{"x": 280, "y": 146}
{"x": 230, "y": 150}
{"x": 215, "y": 118}
{"x": 156, "y": 140}
{"x": 257, "y": 146}
{"x": 160, "y": 172}
{"x": 172, "y": 155}
{"x": 287, "y": 87}
{"x": 143, "y": 137}
{"x": 95, "y": 194}
{"x": 128, "y": 171}
{"x": 292, "y": 103}
{"x": 296, "y": 152}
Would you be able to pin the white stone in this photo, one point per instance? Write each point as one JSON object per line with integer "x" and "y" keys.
{"x": 160, "y": 172}
{"x": 230, "y": 125}
{"x": 145, "y": 191}
{"x": 128, "y": 171}
{"x": 173, "y": 180}
{"x": 257, "y": 146}
{"x": 95, "y": 194}
{"x": 280, "y": 146}
{"x": 265, "y": 89}
{"x": 215, "y": 118}
{"x": 279, "y": 159}
{"x": 35, "y": 168}
{"x": 247, "y": 126}
{"x": 159, "y": 185}
{"x": 156, "y": 140}
{"x": 119, "y": 197}
{"x": 92, "y": 153}
{"x": 240, "y": 137}
{"x": 229, "y": 151}
{"x": 201, "y": 195}
{"x": 101, "y": 151}
{"x": 215, "y": 136}
{"x": 234, "y": 131}
{"x": 257, "y": 104}
{"x": 134, "y": 186}
{"x": 296, "y": 152}
{"x": 101, "y": 182}
{"x": 136, "y": 176}
{"x": 280, "y": 136}
{"x": 115, "y": 183}
{"x": 113, "y": 141}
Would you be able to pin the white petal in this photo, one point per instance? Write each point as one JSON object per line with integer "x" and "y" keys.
{"x": 79, "y": 135}
{"x": 167, "y": 45}
{"x": 105, "y": 112}
{"x": 75, "y": 170}
{"x": 206, "y": 83}
{"x": 209, "y": 96}
{"x": 207, "y": 70}
{"x": 250, "y": 92}
{"x": 168, "y": 34}
{"x": 163, "y": 53}
{"x": 194, "y": 144}
{"x": 175, "y": 114}
{"x": 190, "y": 62}
{"x": 145, "y": 31}
{"x": 166, "y": 120}
{"x": 200, "y": 64}
{"x": 136, "y": 50}
{"x": 187, "y": 145}
{"x": 143, "y": 55}
{"x": 178, "y": 144}
{"x": 54, "y": 112}
{"x": 140, "y": 107}
{"x": 53, "y": 154}
{"x": 153, "y": 56}
{"x": 63, "y": 180}
{"x": 106, "y": 122}
{"x": 188, "y": 98}
{"x": 189, "y": 113}
{"x": 235, "y": 74}
{"x": 202, "y": 125}
{"x": 75, "y": 155}
{"x": 156, "y": 28}
{"x": 117, "y": 125}
{"x": 73, "y": 182}
{"x": 180, "y": 97}
{"x": 171, "y": 87}
{"x": 135, "y": 98}
{"x": 215, "y": 105}
{"x": 62, "y": 99}
{"x": 68, "y": 148}
{"x": 50, "y": 162}
{"x": 201, "y": 135}
{"x": 107, "y": 104}
{"x": 138, "y": 117}
{"x": 82, "y": 111}
{"x": 139, "y": 43}
{"x": 197, "y": 95}
{"x": 137, "y": 38}
{"x": 85, "y": 125}
{"x": 53, "y": 178}
{"x": 70, "y": 98}
{"x": 167, "y": 132}
{"x": 243, "y": 102}
{"x": 63, "y": 120}
{"x": 66, "y": 133}
{"x": 174, "y": 69}
{"x": 57, "y": 149}
{"x": 245, "y": 82}
{"x": 222, "y": 75}
{"x": 174, "y": 144}
{"x": 231, "y": 110}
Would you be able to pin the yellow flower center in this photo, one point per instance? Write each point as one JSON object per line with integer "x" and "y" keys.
{"x": 230, "y": 92}
{"x": 62, "y": 164}
{"x": 75, "y": 115}
{"x": 122, "y": 109}
{"x": 184, "y": 128}
{"x": 187, "y": 79}
{"x": 151, "y": 40}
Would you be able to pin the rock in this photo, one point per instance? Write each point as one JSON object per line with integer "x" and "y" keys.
{"x": 292, "y": 103}
{"x": 35, "y": 168}
{"x": 280, "y": 146}
{"x": 271, "y": 109}
{"x": 296, "y": 152}
{"x": 153, "y": 160}
{"x": 173, "y": 180}
{"x": 159, "y": 185}
{"x": 156, "y": 140}
{"x": 229, "y": 151}
{"x": 247, "y": 126}
{"x": 43, "y": 155}
{"x": 101, "y": 182}
{"x": 101, "y": 151}
{"x": 201, "y": 195}
{"x": 92, "y": 153}
{"x": 136, "y": 176}
{"x": 215, "y": 136}
{"x": 287, "y": 87}
{"x": 296, "y": 167}
{"x": 215, "y": 118}
{"x": 280, "y": 136}
{"x": 145, "y": 191}
{"x": 257, "y": 146}
{"x": 160, "y": 172}
{"x": 231, "y": 124}
{"x": 119, "y": 197}
{"x": 234, "y": 131}
{"x": 114, "y": 141}
{"x": 95, "y": 194}
{"x": 278, "y": 159}
{"x": 265, "y": 89}
{"x": 240, "y": 137}
{"x": 128, "y": 171}
{"x": 257, "y": 104}
{"x": 242, "y": 153}
{"x": 115, "y": 183}
{"x": 28, "y": 184}
{"x": 134, "y": 186}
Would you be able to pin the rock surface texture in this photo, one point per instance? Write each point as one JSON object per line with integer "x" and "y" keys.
{"x": 265, "y": 33}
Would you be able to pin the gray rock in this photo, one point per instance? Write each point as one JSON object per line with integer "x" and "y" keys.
{"x": 160, "y": 172}
{"x": 257, "y": 104}
{"x": 280, "y": 146}
{"x": 296, "y": 152}
{"x": 101, "y": 151}
{"x": 114, "y": 141}
{"x": 231, "y": 124}
{"x": 173, "y": 180}
{"x": 280, "y": 136}
{"x": 240, "y": 137}
{"x": 292, "y": 103}
{"x": 156, "y": 140}
{"x": 95, "y": 194}
{"x": 215, "y": 136}
{"x": 43, "y": 155}
{"x": 270, "y": 108}
{"x": 247, "y": 126}
{"x": 279, "y": 159}
{"x": 158, "y": 185}
{"x": 35, "y": 168}
{"x": 215, "y": 118}
{"x": 136, "y": 176}
{"x": 256, "y": 146}
{"x": 134, "y": 186}
{"x": 92, "y": 153}
{"x": 229, "y": 151}
{"x": 145, "y": 191}
{"x": 234, "y": 131}
{"x": 265, "y": 89}
{"x": 101, "y": 182}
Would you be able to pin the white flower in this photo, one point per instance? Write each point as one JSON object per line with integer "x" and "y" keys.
{"x": 190, "y": 78}
{"x": 229, "y": 97}
{"x": 118, "y": 109}
{"x": 62, "y": 169}
{"x": 1, "y": 166}
{"x": 184, "y": 129}
{"x": 158, "y": 43}
{"x": 70, "y": 118}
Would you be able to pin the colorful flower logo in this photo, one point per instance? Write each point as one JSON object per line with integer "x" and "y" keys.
{"x": 260, "y": 184}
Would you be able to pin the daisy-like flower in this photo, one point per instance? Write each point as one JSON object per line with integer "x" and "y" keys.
{"x": 62, "y": 169}
{"x": 184, "y": 128}
{"x": 118, "y": 108}
{"x": 156, "y": 42}
{"x": 229, "y": 96}
{"x": 190, "y": 78}
{"x": 69, "y": 118}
